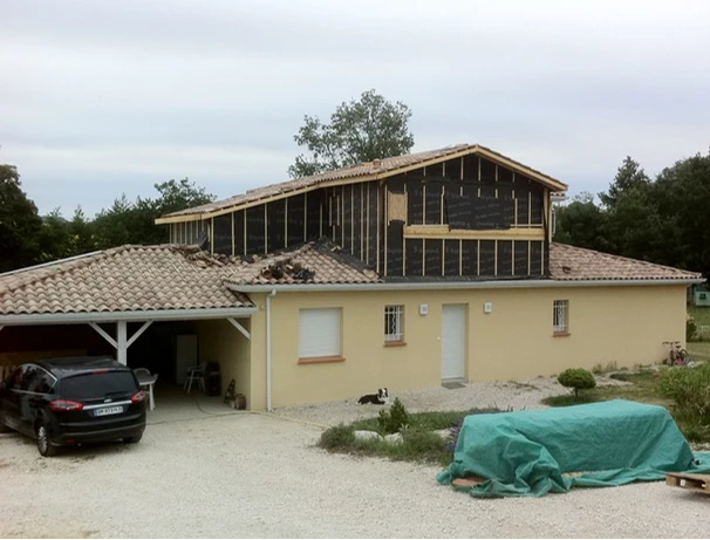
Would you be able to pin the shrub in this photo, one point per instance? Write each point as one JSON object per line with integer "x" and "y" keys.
{"x": 577, "y": 379}
{"x": 394, "y": 420}
{"x": 340, "y": 437}
{"x": 690, "y": 328}
{"x": 690, "y": 391}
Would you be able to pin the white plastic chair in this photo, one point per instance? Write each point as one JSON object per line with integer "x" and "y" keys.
{"x": 147, "y": 381}
{"x": 196, "y": 373}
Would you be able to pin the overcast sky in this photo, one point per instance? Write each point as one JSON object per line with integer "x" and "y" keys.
{"x": 107, "y": 97}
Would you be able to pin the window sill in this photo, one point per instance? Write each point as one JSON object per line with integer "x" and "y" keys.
{"x": 321, "y": 360}
{"x": 561, "y": 334}
{"x": 395, "y": 343}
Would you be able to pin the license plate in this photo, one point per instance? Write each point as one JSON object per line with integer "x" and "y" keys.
{"x": 105, "y": 411}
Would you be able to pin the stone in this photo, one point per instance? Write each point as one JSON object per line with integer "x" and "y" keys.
{"x": 394, "y": 438}
{"x": 364, "y": 435}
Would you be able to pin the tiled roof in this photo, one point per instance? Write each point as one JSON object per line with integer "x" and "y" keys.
{"x": 570, "y": 263}
{"x": 377, "y": 167}
{"x": 318, "y": 262}
{"x": 128, "y": 278}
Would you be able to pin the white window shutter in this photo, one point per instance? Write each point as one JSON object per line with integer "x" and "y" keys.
{"x": 319, "y": 332}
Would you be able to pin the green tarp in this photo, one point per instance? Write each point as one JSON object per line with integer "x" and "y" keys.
{"x": 527, "y": 453}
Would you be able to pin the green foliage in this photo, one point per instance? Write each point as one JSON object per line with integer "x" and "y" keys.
{"x": 340, "y": 437}
{"x": 577, "y": 379}
{"x": 689, "y": 388}
{"x": 691, "y": 328}
{"x": 20, "y": 224}
{"x": 358, "y": 131}
{"x": 664, "y": 220}
{"x": 27, "y": 239}
{"x": 393, "y": 420}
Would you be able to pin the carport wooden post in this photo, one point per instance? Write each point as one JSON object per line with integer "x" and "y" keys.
{"x": 121, "y": 347}
{"x": 121, "y": 343}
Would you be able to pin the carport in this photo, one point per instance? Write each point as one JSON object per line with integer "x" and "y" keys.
{"x": 105, "y": 302}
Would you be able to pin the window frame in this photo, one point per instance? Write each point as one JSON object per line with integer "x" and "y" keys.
{"x": 395, "y": 337}
{"x": 560, "y": 317}
{"x": 320, "y": 358}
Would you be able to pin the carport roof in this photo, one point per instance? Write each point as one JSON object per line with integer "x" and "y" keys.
{"x": 128, "y": 279}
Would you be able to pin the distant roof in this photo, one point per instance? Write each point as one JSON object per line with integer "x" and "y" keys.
{"x": 169, "y": 277}
{"x": 570, "y": 263}
{"x": 362, "y": 171}
{"x": 128, "y": 278}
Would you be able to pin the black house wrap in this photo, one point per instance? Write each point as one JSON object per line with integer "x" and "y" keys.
{"x": 464, "y": 217}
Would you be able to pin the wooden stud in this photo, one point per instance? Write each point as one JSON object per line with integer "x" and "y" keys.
{"x": 529, "y": 206}
{"x": 496, "y": 180}
{"x": 478, "y": 257}
{"x": 441, "y": 212}
{"x": 386, "y": 225}
{"x": 379, "y": 227}
{"x": 548, "y": 216}
{"x": 424, "y": 206}
{"x": 479, "y": 177}
{"x": 423, "y": 257}
{"x": 495, "y": 257}
{"x": 305, "y": 217}
{"x": 232, "y": 235}
{"x": 461, "y": 257}
{"x": 443, "y": 257}
{"x": 529, "y": 256}
{"x": 352, "y": 219}
{"x": 362, "y": 221}
{"x": 266, "y": 228}
{"x": 286, "y": 224}
{"x": 367, "y": 227}
{"x": 515, "y": 202}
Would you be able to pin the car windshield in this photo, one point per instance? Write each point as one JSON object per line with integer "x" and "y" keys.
{"x": 98, "y": 385}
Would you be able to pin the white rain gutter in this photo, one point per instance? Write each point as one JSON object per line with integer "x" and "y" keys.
{"x": 455, "y": 285}
{"x": 268, "y": 349}
{"x": 127, "y": 316}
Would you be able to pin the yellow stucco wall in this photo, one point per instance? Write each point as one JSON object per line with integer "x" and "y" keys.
{"x": 220, "y": 342}
{"x": 625, "y": 325}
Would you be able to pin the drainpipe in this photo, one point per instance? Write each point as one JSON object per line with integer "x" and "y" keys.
{"x": 268, "y": 349}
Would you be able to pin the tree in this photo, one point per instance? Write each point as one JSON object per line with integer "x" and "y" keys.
{"x": 20, "y": 223}
{"x": 358, "y": 131}
{"x": 629, "y": 176}
{"x": 582, "y": 223}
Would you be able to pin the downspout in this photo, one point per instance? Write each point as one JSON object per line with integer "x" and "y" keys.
{"x": 268, "y": 349}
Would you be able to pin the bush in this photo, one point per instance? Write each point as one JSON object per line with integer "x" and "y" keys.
{"x": 577, "y": 379}
{"x": 690, "y": 391}
{"x": 340, "y": 437}
{"x": 691, "y": 328}
{"x": 394, "y": 420}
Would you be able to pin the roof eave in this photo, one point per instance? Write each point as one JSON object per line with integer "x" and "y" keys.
{"x": 128, "y": 316}
{"x": 551, "y": 183}
{"x": 457, "y": 285}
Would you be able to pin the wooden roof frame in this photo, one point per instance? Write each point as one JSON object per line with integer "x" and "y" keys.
{"x": 549, "y": 182}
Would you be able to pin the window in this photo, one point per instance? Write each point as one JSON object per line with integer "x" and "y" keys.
{"x": 319, "y": 335}
{"x": 394, "y": 324}
{"x": 560, "y": 317}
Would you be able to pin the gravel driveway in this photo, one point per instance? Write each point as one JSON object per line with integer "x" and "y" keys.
{"x": 247, "y": 475}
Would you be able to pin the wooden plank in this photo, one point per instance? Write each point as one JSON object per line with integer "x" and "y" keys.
{"x": 444, "y": 232}
{"x": 697, "y": 483}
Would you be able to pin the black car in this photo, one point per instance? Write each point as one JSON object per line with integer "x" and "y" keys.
{"x": 69, "y": 401}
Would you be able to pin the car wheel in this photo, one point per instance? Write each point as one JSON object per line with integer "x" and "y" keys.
{"x": 44, "y": 445}
{"x": 133, "y": 440}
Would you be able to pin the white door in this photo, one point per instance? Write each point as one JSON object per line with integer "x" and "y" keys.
{"x": 453, "y": 342}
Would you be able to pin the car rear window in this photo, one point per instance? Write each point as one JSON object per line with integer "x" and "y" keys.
{"x": 98, "y": 385}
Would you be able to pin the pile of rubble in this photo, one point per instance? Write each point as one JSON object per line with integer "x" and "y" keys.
{"x": 287, "y": 268}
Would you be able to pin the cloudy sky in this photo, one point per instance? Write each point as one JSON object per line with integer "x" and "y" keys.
{"x": 107, "y": 97}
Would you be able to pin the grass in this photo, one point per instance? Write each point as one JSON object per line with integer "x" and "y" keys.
{"x": 419, "y": 442}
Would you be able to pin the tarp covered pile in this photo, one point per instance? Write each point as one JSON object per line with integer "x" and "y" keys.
{"x": 530, "y": 453}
